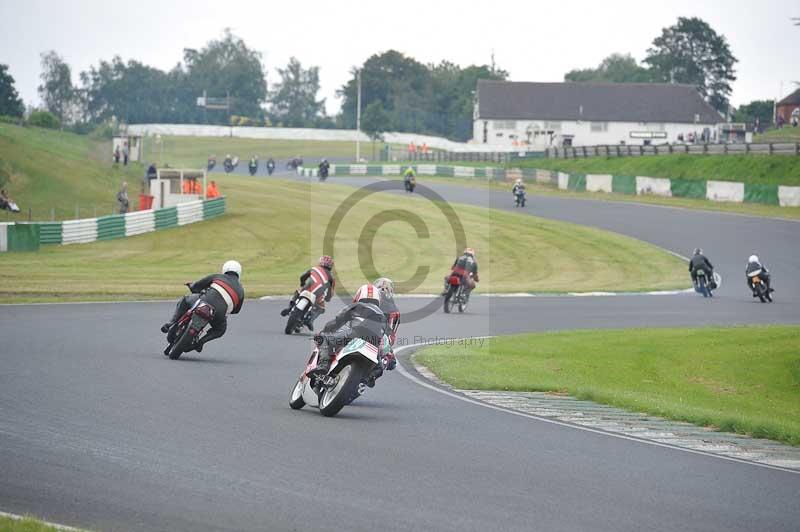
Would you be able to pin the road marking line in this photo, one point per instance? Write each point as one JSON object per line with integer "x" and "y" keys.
{"x": 405, "y": 373}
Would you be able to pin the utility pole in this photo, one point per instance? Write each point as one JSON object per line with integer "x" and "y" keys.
{"x": 358, "y": 117}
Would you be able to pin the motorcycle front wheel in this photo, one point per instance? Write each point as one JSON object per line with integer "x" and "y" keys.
{"x": 181, "y": 344}
{"x": 296, "y": 401}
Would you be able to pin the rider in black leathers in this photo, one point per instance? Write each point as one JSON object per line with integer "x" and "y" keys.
{"x": 362, "y": 319}
{"x": 700, "y": 262}
{"x": 222, "y": 291}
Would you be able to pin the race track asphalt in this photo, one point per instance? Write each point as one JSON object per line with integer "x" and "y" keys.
{"x": 98, "y": 429}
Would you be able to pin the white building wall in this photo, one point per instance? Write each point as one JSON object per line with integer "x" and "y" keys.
{"x": 505, "y": 132}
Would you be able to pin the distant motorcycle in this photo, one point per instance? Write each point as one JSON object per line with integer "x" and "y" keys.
{"x": 270, "y": 167}
{"x": 212, "y": 162}
{"x": 323, "y": 172}
{"x": 231, "y": 164}
{"x": 300, "y": 311}
{"x": 410, "y": 185}
{"x": 706, "y": 286}
{"x": 519, "y": 198}
{"x": 253, "y": 166}
{"x": 760, "y": 289}
{"x": 456, "y": 295}
{"x": 294, "y": 164}
{"x": 192, "y": 326}
{"x": 343, "y": 382}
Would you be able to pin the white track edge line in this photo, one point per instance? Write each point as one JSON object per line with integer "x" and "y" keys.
{"x": 17, "y": 517}
{"x": 405, "y": 373}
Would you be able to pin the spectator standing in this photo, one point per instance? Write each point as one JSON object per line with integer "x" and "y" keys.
{"x": 116, "y": 155}
{"x": 197, "y": 187}
{"x": 125, "y": 154}
{"x": 122, "y": 198}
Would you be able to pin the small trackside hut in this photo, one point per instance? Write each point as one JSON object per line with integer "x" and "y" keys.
{"x": 172, "y": 186}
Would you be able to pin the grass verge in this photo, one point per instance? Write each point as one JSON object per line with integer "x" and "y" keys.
{"x": 194, "y": 151}
{"x": 736, "y": 379}
{"x": 26, "y": 524}
{"x": 759, "y": 169}
{"x": 54, "y": 172}
{"x": 275, "y": 228}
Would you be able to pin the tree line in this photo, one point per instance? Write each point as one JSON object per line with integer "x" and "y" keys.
{"x": 398, "y": 93}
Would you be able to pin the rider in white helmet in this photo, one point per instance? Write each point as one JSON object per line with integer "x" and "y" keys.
{"x": 754, "y": 267}
{"x": 223, "y": 291}
{"x": 361, "y": 319}
{"x": 392, "y": 314}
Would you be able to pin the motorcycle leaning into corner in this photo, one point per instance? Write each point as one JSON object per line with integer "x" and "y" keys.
{"x": 759, "y": 287}
{"x": 706, "y": 284}
{"x": 344, "y": 381}
{"x": 192, "y": 326}
{"x": 301, "y": 312}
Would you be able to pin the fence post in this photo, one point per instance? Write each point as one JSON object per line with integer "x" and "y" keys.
{"x": 746, "y": 147}
{"x": 687, "y": 147}
{"x": 724, "y": 149}
{"x": 705, "y": 148}
{"x": 30, "y": 214}
{"x": 771, "y": 148}
{"x": 797, "y": 148}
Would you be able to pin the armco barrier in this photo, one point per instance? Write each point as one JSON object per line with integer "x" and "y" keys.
{"x": 28, "y": 236}
{"x": 79, "y": 231}
{"x": 758, "y": 193}
{"x": 139, "y": 222}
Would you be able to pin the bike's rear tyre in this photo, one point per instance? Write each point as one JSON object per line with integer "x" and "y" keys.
{"x": 181, "y": 344}
{"x": 448, "y": 300}
{"x": 332, "y": 400}
{"x": 296, "y": 400}
{"x": 760, "y": 292}
{"x": 768, "y": 295}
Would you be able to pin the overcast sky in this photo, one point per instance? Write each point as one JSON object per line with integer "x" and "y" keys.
{"x": 533, "y": 41}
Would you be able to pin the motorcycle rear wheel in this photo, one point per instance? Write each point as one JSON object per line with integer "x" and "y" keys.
{"x": 332, "y": 400}
{"x": 292, "y": 322}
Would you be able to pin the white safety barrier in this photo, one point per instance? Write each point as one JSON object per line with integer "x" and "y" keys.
{"x": 426, "y": 169}
{"x": 358, "y": 169}
{"x": 657, "y": 186}
{"x": 563, "y": 181}
{"x": 4, "y": 237}
{"x": 725, "y": 191}
{"x": 464, "y": 171}
{"x": 598, "y": 183}
{"x": 139, "y": 222}
{"x": 190, "y": 212}
{"x": 79, "y": 231}
{"x": 391, "y": 169}
{"x": 789, "y": 196}
{"x": 543, "y": 176}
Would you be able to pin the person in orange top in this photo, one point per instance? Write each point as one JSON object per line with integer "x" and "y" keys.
{"x": 187, "y": 186}
{"x": 197, "y": 187}
{"x": 211, "y": 191}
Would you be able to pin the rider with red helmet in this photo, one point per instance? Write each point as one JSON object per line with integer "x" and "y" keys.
{"x": 466, "y": 267}
{"x": 362, "y": 319}
{"x": 319, "y": 281}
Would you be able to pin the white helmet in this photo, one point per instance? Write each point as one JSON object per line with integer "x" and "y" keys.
{"x": 367, "y": 293}
{"x": 753, "y": 258}
{"x": 386, "y": 287}
{"x": 232, "y": 266}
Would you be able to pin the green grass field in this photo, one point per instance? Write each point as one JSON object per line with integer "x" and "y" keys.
{"x": 194, "y": 151}
{"x": 275, "y": 228}
{"x": 740, "y": 379}
{"x": 785, "y": 134}
{"x": 763, "y": 169}
{"x": 51, "y": 172}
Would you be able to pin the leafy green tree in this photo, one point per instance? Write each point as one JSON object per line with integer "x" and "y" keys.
{"x": 761, "y": 109}
{"x": 294, "y": 99}
{"x": 10, "y": 102}
{"x": 692, "y": 52}
{"x": 226, "y": 66}
{"x": 56, "y": 90}
{"x": 435, "y": 99}
{"x": 374, "y": 120}
{"x": 616, "y": 68}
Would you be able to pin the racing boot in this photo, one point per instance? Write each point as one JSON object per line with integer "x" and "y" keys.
{"x": 323, "y": 362}
{"x": 166, "y": 327}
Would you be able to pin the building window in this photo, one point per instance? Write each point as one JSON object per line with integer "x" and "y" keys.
{"x": 505, "y": 124}
{"x": 552, "y": 126}
{"x": 599, "y": 127}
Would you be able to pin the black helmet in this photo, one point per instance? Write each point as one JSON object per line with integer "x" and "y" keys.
{"x": 698, "y": 251}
